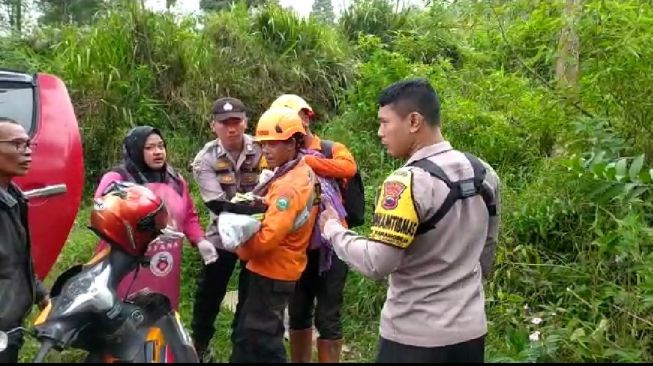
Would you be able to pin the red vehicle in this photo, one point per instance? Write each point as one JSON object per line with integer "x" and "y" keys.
{"x": 54, "y": 183}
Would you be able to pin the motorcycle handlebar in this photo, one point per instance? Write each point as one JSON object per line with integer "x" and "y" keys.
{"x": 46, "y": 344}
{"x": 5, "y": 336}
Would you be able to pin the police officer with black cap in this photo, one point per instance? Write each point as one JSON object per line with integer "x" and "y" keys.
{"x": 225, "y": 166}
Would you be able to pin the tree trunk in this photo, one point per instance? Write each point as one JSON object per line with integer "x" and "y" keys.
{"x": 19, "y": 15}
{"x": 66, "y": 17}
{"x": 15, "y": 15}
{"x": 567, "y": 61}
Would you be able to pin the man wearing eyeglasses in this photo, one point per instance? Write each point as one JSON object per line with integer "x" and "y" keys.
{"x": 19, "y": 287}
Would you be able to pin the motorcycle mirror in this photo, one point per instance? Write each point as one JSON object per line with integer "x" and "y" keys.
{"x": 4, "y": 341}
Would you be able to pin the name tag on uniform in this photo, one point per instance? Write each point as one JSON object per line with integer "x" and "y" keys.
{"x": 227, "y": 178}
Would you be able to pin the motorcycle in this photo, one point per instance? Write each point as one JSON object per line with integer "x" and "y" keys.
{"x": 85, "y": 312}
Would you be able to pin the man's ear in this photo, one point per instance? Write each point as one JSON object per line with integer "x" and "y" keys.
{"x": 416, "y": 121}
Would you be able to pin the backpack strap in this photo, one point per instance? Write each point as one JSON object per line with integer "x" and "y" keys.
{"x": 327, "y": 148}
{"x": 452, "y": 196}
{"x": 457, "y": 190}
{"x": 479, "y": 178}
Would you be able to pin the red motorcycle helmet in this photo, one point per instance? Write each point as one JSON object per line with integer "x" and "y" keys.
{"x": 129, "y": 216}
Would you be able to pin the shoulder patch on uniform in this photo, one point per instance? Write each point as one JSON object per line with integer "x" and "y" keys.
{"x": 392, "y": 191}
{"x": 283, "y": 203}
{"x": 395, "y": 216}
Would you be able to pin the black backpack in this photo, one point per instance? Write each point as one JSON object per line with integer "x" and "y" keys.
{"x": 353, "y": 195}
{"x": 457, "y": 190}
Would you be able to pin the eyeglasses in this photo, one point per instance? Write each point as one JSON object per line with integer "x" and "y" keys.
{"x": 20, "y": 145}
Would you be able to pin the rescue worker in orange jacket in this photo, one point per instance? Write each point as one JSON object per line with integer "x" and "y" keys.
{"x": 324, "y": 278}
{"x": 276, "y": 254}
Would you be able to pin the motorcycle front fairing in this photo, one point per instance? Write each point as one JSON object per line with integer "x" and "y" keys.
{"x": 85, "y": 307}
{"x": 87, "y": 313}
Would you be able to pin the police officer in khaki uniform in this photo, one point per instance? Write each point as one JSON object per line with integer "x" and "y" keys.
{"x": 434, "y": 233}
{"x": 225, "y": 166}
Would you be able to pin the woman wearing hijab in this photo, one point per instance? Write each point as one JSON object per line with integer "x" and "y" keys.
{"x": 144, "y": 162}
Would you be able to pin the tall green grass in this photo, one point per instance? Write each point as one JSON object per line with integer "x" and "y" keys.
{"x": 573, "y": 263}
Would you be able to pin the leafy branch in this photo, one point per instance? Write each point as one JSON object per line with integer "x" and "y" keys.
{"x": 535, "y": 74}
{"x": 622, "y": 179}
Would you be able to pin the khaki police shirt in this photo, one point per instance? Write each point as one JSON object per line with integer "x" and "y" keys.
{"x": 204, "y": 167}
{"x": 435, "y": 295}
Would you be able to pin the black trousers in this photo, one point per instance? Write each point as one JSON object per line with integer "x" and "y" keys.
{"x": 211, "y": 290}
{"x": 259, "y": 331}
{"x": 472, "y": 351}
{"x": 327, "y": 289}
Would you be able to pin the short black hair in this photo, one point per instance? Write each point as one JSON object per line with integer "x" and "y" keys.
{"x": 413, "y": 95}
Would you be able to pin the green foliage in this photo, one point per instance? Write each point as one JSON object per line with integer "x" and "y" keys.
{"x": 323, "y": 11}
{"x": 69, "y": 11}
{"x": 576, "y": 191}
{"x": 380, "y": 18}
{"x": 12, "y": 15}
{"x": 574, "y": 273}
{"x": 608, "y": 174}
{"x": 136, "y": 67}
{"x": 430, "y": 36}
{"x": 617, "y": 40}
{"x": 218, "y": 5}
{"x": 17, "y": 54}
{"x": 518, "y": 34}
{"x": 497, "y": 115}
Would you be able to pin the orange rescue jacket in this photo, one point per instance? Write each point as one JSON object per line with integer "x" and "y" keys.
{"x": 278, "y": 249}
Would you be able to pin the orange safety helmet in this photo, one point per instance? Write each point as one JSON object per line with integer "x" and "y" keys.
{"x": 279, "y": 124}
{"x": 294, "y": 102}
{"x": 129, "y": 216}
